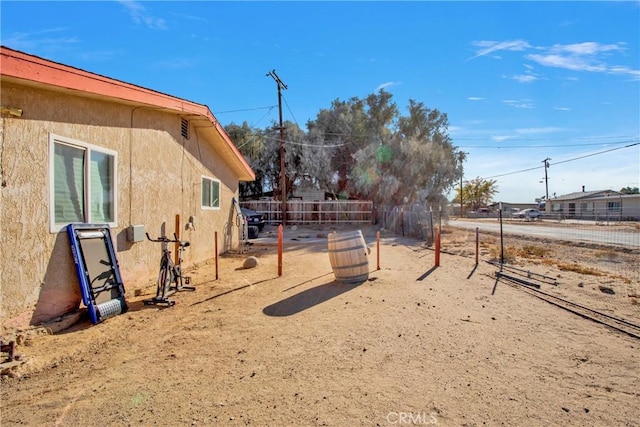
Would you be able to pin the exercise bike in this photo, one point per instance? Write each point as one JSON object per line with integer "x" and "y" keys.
{"x": 170, "y": 277}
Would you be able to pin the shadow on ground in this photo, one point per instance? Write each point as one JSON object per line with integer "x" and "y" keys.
{"x": 308, "y": 298}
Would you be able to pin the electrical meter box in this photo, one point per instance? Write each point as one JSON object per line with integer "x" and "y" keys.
{"x": 135, "y": 233}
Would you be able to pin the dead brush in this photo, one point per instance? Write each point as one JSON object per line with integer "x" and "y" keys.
{"x": 580, "y": 269}
{"x": 531, "y": 251}
{"x": 606, "y": 254}
{"x": 510, "y": 253}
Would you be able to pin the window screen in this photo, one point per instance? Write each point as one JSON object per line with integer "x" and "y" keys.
{"x": 210, "y": 193}
{"x": 84, "y": 182}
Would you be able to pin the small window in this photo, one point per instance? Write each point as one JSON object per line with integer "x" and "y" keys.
{"x": 613, "y": 206}
{"x": 184, "y": 128}
{"x": 83, "y": 183}
{"x": 210, "y": 193}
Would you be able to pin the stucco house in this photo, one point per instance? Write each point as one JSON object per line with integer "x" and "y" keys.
{"x": 598, "y": 205}
{"x": 81, "y": 147}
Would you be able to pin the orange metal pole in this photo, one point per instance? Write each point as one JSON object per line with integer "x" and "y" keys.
{"x": 216, "y": 256}
{"x": 280, "y": 233}
{"x": 437, "y": 247}
{"x": 477, "y": 245}
{"x": 378, "y": 248}
{"x": 176, "y": 245}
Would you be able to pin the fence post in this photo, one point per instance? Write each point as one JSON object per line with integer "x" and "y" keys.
{"x": 216, "y": 254}
{"x": 501, "y": 238}
{"x": 378, "y": 248}
{"x": 477, "y": 245}
{"x": 437, "y": 246}
{"x": 280, "y": 232}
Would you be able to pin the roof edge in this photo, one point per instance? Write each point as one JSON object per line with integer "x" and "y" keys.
{"x": 28, "y": 67}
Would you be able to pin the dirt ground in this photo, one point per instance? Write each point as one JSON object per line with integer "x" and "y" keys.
{"x": 413, "y": 345}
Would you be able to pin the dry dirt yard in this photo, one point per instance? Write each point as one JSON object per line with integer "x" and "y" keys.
{"x": 413, "y": 345}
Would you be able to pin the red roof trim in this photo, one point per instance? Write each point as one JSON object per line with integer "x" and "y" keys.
{"x": 28, "y": 67}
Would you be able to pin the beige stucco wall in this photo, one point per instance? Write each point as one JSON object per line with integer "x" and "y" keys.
{"x": 158, "y": 177}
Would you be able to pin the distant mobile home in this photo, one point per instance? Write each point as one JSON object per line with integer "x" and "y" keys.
{"x": 598, "y": 205}
{"x": 80, "y": 147}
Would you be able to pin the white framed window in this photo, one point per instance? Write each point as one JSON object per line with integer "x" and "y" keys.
{"x": 587, "y": 207}
{"x": 210, "y": 193}
{"x": 83, "y": 183}
{"x": 613, "y": 206}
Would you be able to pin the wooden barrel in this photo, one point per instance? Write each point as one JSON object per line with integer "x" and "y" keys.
{"x": 348, "y": 256}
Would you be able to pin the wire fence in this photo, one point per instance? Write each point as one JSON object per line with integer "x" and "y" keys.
{"x": 407, "y": 220}
{"x": 587, "y": 262}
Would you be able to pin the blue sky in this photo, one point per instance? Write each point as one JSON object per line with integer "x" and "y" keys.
{"x": 519, "y": 81}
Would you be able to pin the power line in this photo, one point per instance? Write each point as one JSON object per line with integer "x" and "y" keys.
{"x": 564, "y": 161}
{"x": 245, "y": 109}
{"x": 594, "y": 154}
{"x": 501, "y": 147}
{"x": 291, "y": 112}
{"x": 302, "y": 143}
{"x": 554, "y": 139}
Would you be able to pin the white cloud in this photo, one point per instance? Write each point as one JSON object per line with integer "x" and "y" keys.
{"x": 386, "y": 85}
{"x": 529, "y": 131}
{"x": 562, "y": 108}
{"x": 475, "y": 98}
{"x": 570, "y": 62}
{"x": 586, "y": 56}
{"x": 515, "y": 103}
{"x": 139, "y": 15}
{"x": 524, "y": 78}
{"x": 585, "y": 48}
{"x": 46, "y": 39}
{"x": 500, "y": 138}
{"x": 488, "y": 47}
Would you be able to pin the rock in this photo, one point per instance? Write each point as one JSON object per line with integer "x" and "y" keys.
{"x": 250, "y": 262}
{"x": 606, "y": 290}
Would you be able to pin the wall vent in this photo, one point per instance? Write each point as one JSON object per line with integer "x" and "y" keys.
{"x": 185, "y": 128}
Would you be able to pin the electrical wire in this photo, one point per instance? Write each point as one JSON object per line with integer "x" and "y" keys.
{"x": 291, "y": 112}
{"x": 504, "y": 147}
{"x": 302, "y": 143}
{"x": 563, "y": 161}
{"x": 594, "y": 154}
{"x": 245, "y": 109}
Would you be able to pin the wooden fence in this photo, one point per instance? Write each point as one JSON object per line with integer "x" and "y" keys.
{"x": 316, "y": 212}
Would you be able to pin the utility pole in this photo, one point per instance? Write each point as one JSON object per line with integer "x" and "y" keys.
{"x": 283, "y": 176}
{"x": 546, "y": 178}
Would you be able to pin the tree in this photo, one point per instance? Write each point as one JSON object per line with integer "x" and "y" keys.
{"x": 385, "y": 157}
{"x": 251, "y": 143}
{"x": 303, "y": 161}
{"x": 342, "y": 128}
{"x": 414, "y": 163}
{"x": 477, "y": 193}
{"x": 360, "y": 148}
{"x": 630, "y": 190}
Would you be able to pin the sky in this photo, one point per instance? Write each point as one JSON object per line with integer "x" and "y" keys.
{"x": 520, "y": 82}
